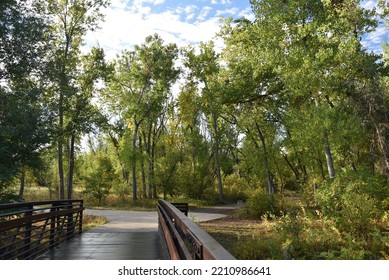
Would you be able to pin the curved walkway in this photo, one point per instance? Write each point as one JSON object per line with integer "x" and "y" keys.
{"x": 128, "y": 235}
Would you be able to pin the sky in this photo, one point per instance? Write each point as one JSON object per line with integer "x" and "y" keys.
{"x": 181, "y": 22}
{"x": 129, "y": 22}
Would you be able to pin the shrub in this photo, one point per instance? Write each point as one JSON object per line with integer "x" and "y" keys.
{"x": 305, "y": 235}
{"x": 308, "y": 236}
{"x": 235, "y": 188}
{"x": 257, "y": 249}
{"x": 261, "y": 203}
{"x": 8, "y": 197}
{"x": 331, "y": 196}
{"x": 356, "y": 201}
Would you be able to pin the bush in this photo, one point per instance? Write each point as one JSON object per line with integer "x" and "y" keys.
{"x": 257, "y": 249}
{"x": 356, "y": 201}
{"x": 8, "y": 197}
{"x": 305, "y": 235}
{"x": 235, "y": 188}
{"x": 331, "y": 196}
{"x": 261, "y": 203}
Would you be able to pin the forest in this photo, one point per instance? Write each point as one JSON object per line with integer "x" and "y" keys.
{"x": 290, "y": 119}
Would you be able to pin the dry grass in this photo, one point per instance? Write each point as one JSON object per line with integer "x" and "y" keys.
{"x": 241, "y": 236}
{"x": 90, "y": 221}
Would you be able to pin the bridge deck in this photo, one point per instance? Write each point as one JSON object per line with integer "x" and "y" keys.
{"x": 108, "y": 246}
{"x": 129, "y": 235}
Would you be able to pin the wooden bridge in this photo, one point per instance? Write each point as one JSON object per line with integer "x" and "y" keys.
{"x": 53, "y": 230}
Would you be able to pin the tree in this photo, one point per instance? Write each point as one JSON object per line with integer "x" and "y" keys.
{"x": 71, "y": 19}
{"x": 101, "y": 178}
{"x": 140, "y": 87}
{"x": 204, "y": 69}
{"x": 24, "y": 118}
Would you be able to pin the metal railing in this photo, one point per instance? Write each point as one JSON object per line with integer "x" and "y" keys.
{"x": 29, "y": 229}
{"x": 182, "y": 239}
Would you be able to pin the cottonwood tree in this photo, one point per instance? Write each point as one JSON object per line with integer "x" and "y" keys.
{"x": 24, "y": 118}
{"x": 70, "y": 20}
{"x": 203, "y": 70}
{"x": 139, "y": 89}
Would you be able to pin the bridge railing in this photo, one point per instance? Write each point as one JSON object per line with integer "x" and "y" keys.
{"x": 182, "y": 239}
{"x": 28, "y": 229}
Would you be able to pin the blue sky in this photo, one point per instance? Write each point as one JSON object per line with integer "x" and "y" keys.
{"x": 128, "y": 22}
{"x": 181, "y": 22}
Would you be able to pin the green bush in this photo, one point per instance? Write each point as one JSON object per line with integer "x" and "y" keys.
{"x": 306, "y": 235}
{"x": 235, "y": 188}
{"x": 356, "y": 201}
{"x": 261, "y": 203}
{"x": 257, "y": 249}
{"x": 331, "y": 196}
{"x": 8, "y": 197}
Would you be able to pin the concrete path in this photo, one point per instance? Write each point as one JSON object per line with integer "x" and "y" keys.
{"x": 128, "y": 235}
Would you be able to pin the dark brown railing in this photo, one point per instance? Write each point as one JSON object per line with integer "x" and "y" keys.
{"x": 29, "y": 229}
{"x": 182, "y": 239}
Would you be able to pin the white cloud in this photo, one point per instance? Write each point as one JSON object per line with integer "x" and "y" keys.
{"x": 221, "y": 2}
{"x": 190, "y": 9}
{"x": 119, "y": 4}
{"x": 190, "y": 17}
{"x": 154, "y": 2}
{"x": 204, "y": 13}
{"x": 232, "y": 11}
{"x": 247, "y": 13}
{"x": 123, "y": 28}
{"x": 374, "y": 40}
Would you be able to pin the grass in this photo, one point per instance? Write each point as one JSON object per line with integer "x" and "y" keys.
{"x": 90, "y": 221}
{"x": 304, "y": 236}
{"x": 245, "y": 238}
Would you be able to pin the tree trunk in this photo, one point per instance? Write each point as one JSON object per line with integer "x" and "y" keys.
{"x": 115, "y": 142}
{"x": 71, "y": 167}
{"x": 149, "y": 169}
{"x": 60, "y": 150}
{"x": 142, "y": 166}
{"x": 295, "y": 171}
{"x": 329, "y": 160}
{"x": 153, "y": 169}
{"x": 134, "y": 186}
{"x": 22, "y": 183}
{"x": 383, "y": 140}
{"x": 217, "y": 163}
{"x": 270, "y": 184}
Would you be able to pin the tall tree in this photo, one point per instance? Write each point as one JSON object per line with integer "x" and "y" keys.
{"x": 24, "y": 119}
{"x": 141, "y": 85}
{"x": 313, "y": 49}
{"x": 71, "y": 20}
{"x": 204, "y": 71}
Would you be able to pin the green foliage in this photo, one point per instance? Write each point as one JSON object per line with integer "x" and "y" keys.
{"x": 101, "y": 179}
{"x": 304, "y": 235}
{"x": 356, "y": 201}
{"x": 7, "y": 196}
{"x": 260, "y": 203}
{"x": 24, "y": 118}
{"x": 236, "y": 188}
{"x": 337, "y": 195}
{"x": 257, "y": 249}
